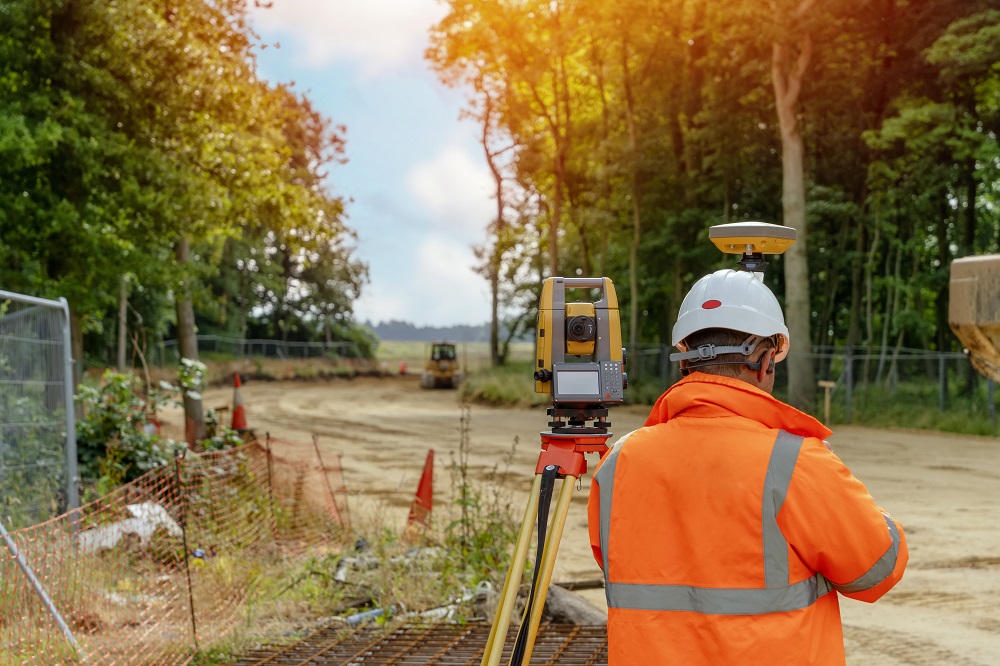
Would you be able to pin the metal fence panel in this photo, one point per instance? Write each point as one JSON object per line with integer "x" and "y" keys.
{"x": 868, "y": 384}
{"x": 167, "y": 354}
{"x": 37, "y": 429}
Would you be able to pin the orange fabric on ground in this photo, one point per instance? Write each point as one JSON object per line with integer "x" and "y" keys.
{"x": 687, "y": 511}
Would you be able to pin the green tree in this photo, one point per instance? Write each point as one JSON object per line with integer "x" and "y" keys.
{"x": 635, "y": 126}
{"x": 138, "y": 141}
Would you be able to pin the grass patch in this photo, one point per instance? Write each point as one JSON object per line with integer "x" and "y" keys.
{"x": 509, "y": 385}
{"x": 917, "y": 406}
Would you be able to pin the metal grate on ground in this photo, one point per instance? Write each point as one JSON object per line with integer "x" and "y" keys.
{"x": 438, "y": 645}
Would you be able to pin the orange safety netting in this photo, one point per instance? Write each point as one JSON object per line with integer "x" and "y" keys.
{"x": 308, "y": 495}
{"x": 147, "y": 573}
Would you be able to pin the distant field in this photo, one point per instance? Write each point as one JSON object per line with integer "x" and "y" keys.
{"x": 473, "y": 355}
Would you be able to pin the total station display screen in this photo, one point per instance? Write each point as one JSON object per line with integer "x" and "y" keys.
{"x": 578, "y": 382}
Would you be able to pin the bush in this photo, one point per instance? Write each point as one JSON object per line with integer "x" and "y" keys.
{"x": 116, "y": 438}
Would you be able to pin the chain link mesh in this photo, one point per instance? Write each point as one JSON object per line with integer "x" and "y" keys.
{"x": 36, "y": 482}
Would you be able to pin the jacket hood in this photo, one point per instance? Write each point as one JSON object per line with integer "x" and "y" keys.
{"x": 705, "y": 396}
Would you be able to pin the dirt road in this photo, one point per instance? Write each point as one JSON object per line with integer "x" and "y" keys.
{"x": 945, "y": 489}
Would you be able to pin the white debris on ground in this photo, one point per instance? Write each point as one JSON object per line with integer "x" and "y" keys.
{"x": 367, "y": 562}
{"x": 147, "y": 517}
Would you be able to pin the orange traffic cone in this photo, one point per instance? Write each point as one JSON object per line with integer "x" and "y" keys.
{"x": 239, "y": 412}
{"x": 420, "y": 510}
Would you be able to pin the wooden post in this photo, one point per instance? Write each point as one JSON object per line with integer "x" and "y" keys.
{"x": 827, "y": 386}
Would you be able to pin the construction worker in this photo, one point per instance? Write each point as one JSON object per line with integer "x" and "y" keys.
{"x": 725, "y": 526}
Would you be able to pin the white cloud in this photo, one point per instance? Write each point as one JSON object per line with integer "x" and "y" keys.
{"x": 374, "y": 35}
{"x": 449, "y": 288}
{"x": 382, "y": 300}
{"x": 456, "y": 190}
{"x": 438, "y": 287}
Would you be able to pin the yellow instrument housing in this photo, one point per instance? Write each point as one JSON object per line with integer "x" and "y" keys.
{"x": 551, "y": 343}
{"x": 576, "y": 347}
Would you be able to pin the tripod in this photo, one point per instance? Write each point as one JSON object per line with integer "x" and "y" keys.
{"x": 562, "y": 456}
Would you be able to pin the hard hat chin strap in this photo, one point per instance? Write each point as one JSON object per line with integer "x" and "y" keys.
{"x": 705, "y": 355}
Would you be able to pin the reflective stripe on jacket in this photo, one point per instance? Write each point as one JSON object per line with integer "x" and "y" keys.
{"x": 724, "y": 525}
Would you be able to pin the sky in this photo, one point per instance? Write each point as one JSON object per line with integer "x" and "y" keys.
{"x": 417, "y": 184}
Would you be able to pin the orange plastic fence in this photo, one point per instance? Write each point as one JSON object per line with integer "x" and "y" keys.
{"x": 309, "y": 495}
{"x": 153, "y": 570}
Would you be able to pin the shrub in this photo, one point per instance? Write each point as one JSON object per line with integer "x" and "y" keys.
{"x": 116, "y": 439}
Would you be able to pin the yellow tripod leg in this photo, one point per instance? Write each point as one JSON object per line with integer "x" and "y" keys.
{"x": 549, "y": 553}
{"x": 498, "y": 632}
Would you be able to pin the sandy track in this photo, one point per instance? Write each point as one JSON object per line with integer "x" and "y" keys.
{"x": 943, "y": 488}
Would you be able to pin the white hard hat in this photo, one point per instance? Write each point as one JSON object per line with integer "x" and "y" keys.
{"x": 736, "y": 300}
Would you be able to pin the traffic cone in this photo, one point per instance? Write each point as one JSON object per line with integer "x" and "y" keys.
{"x": 420, "y": 509}
{"x": 402, "y": 368}
{"x": 239, "y": 412}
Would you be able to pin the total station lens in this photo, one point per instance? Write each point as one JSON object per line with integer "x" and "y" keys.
{"x": 581, "y": 328}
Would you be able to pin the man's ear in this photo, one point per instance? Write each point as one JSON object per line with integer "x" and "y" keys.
{"x": 766, "y": 365}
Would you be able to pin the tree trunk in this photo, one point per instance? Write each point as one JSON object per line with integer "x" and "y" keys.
{"x": 122, "y": 322}
{"x": 787, "y": 72}
{"x": 585, "y": 266}
{"x": 187, "y": 345}
{"x": 633, "y": 253}
{"x": 857, "y": 272}
{"x": 892, "y": 304}
{"x": 676, "y": 298}
{"x": 605, "y": 184}
{"x": 968, "y": 242}
{"x": 556, "y": 217}
{"x": 827, "y": 334}
{"x": 870, "y": 296}
{"x": 494, "y": 259}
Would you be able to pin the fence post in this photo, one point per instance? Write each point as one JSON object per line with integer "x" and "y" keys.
{"x": 991, "y": 405}
{"x": 72, "y": 475}
{"x": 345, "y": 515}
{"x": 182, "y": 494}
{"x": 270, "y": 486}
{"x": 326, "y": 480}
{"x": 942, "y": 382}
{"x": 848, "y": 385}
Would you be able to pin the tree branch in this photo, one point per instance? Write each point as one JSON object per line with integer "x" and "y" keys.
{"x": 794, "y": 80}
{"x": 804, "y": 8}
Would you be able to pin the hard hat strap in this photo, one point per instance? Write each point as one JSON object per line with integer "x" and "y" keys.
{"x": 753, "y": 365}
{"x": 710, "y": 351}
{"x": 705, "y": 355}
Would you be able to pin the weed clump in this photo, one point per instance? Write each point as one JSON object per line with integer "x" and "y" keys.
{"x": 440, "y": 571}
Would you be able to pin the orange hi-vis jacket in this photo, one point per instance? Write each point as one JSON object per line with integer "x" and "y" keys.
{"x": 725, "y": 528}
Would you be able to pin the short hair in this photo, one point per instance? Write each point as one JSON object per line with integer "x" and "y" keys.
{"x": 726, "y": 337}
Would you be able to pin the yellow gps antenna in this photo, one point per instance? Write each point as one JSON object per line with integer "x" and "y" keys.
{"x": 752, "y": 240}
